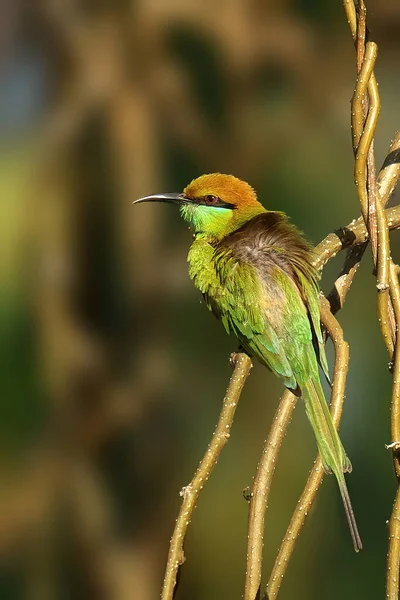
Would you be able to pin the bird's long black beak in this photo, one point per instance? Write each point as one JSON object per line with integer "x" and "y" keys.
{"x": 171, "y": 198}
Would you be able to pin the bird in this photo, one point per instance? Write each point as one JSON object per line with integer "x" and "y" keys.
{"x": 255, "y": 271}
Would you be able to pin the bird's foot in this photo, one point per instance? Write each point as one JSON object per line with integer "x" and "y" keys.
{"x": 232, "y": 358}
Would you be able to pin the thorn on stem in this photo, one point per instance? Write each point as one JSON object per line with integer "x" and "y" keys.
{"x": 394, "y": 446}
{"x": 247, "y": 493}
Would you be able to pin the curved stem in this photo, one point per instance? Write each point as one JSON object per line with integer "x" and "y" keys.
{"x": 190, "y": 493}
{"x": 393, "y": 559}
{"x": 360, "y": 165}
{"x": 260, "y": 493}
{"x": 390, "y": 171}
{"x": 346, "y": 237}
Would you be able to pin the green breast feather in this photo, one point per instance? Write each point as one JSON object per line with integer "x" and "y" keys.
{"x": 272, "y": 309}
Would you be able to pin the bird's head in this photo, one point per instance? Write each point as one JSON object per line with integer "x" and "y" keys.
{"x": 214, "y": 205}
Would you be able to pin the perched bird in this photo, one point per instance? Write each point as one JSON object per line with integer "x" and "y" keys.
{"x": 255, "y": 272}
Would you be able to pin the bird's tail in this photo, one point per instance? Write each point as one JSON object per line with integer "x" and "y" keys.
{"x": 332, "y": 453}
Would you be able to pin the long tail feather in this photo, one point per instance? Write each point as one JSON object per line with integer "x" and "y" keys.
{"x": 332, "y": 453}
{"x": 349, "y": 514}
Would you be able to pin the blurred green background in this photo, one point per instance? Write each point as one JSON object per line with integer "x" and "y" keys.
{"x": 112, "y": 373}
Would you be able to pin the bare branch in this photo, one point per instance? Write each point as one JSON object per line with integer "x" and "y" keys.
{"x": 191, "y": 492}
{"x": 342, "y": 284}
{"x": 361, "y": 33}
{"x": 395, "y": 425}
{"x": 390, "y": 171}
{"x": 351, "y": 235}
{"x": 260, "y": 493}
{"x": 370, "y": 125}
{"x": 393, "y": 562}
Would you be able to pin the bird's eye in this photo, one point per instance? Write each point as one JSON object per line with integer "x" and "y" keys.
{"x": 211, "y": 199}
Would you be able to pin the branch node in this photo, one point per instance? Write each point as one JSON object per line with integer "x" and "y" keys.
{"x": 247, "y": 493}
{"x": 394, "y": 446}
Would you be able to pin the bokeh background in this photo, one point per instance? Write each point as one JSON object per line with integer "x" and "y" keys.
{"x": 112, "y": 372}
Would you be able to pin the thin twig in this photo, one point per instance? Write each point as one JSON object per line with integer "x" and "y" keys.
{"x": 380, "y": 230}
{"x": 393, "y": 559}
{"x": 360, "y": 166}
{"x": 337, "y": 295}
{"x": 190, "y": 493}
{"x": 260, "y": 493}
{"x": 395, "y": 423}
{"x": 385, "y": 310}
{"x": 361, "y": 33}
{"x": 373, "y": 207}
{"x": 351, "y": 15}
{"x": 364, "y": 104}
{"x": 358, "y": 101}
{"x": 390, "y": 171}
{"x": 346, "y": 237}
{"x": 369, "y": 104}
{"x": 317, "y": 473}
{"x": 387, "y": 181}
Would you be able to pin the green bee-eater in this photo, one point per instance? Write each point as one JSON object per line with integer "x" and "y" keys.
{"x": 255, "y": 272}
